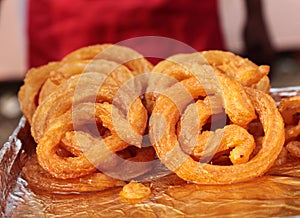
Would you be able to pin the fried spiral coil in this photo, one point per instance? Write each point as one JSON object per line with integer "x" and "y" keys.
{"x": 189, "y": 151}
{"x": 86, "y": 114}
{"x": 241, "y": 69}
{"x": 74, "y": 63}
{"x": 176, "y": 68}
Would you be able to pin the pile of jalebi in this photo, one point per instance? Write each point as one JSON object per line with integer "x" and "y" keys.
{"x": 87, "y": 117}
{"x": 202, "y": 126}
{"x": 209, "y": 117}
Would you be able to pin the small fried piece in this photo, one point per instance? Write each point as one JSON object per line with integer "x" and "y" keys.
{"x": 135, "y": 192}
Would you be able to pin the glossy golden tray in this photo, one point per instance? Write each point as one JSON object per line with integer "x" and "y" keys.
{"x": 276, "y": 194}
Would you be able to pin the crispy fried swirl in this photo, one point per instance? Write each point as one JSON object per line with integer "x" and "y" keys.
{"x": 228, "y": 108}
{"x": 84, "y": 59}
{"x": 207, "y": 113}
{"x": 86, "y": 115}
{"x": 177, "y": 68}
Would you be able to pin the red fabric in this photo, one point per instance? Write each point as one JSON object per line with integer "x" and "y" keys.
{"x": 57, "y": 27}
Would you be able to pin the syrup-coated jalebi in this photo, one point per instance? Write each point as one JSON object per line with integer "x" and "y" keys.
{"x": 81, "y": 60}
{"x": 190, "y": 150}
{"x": 241, "y": 69}
{"x": 86, "y": 114}
{"x": 176, "y": 68}
{"x": 210, "y": 119}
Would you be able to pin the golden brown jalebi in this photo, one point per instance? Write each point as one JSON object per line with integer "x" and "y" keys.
{"x": 86, "y": 115}
{"x": 118, "y": 72}
{"x": 177, "y": 152}
{"x": 71, "y": 93}
{"x": 176, "y": 68}
{"x": 209, "y": 120}
{"x": 75, "y": 63}
{"x": 241, "y": 69}
{"x": 290, "y": 110}
{"x": 39, "y": 178}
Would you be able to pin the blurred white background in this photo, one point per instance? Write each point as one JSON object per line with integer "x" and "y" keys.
{"x": 281, "y": 16}
{"x": 12, "y": 39}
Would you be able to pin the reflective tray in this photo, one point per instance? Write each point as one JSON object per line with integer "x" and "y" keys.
{"x": 276, "y": 194}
